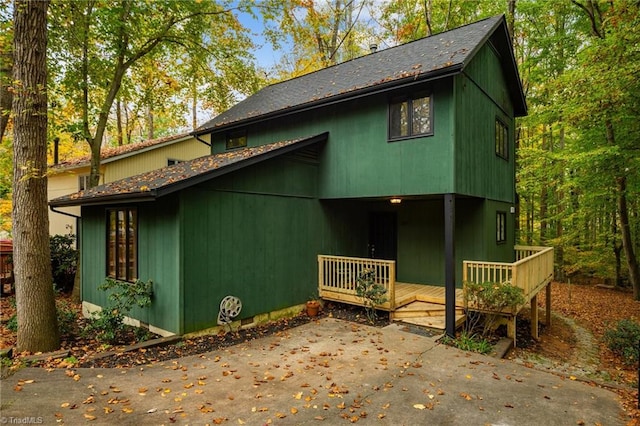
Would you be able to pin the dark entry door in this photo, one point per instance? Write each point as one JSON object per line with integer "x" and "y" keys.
{"x": 383, "y": 235}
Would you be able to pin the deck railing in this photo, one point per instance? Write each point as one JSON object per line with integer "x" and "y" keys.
{"x": 338, "y": 276}
{"x": 532, "y": 270}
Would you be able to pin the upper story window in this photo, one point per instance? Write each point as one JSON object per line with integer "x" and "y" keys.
{"x": 410, "y": 117}
{"x": 237, "y": 139}
{"x": 122, "y": 244}
{"x": 172, "y": 161}
{"x": 502, "y": 139}
{"x": 83, "y": 182}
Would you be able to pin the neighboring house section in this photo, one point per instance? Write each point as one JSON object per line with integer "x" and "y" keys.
{"x": 406, "y": 155}
{"x": 117, "y": 163}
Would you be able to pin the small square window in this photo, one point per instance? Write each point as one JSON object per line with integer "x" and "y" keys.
{"x": 501, "y": 227}
{"x": 410, "y": 117}
{"x": 172, "y": 161}
{"x": 237, "y": 139}
{"x": 83, "y": 182}
{"x": 502, "y": 139}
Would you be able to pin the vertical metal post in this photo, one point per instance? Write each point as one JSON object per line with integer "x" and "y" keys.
{"x": 450, "y": 264}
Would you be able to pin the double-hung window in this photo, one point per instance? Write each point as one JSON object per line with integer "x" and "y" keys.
{"x": 409, "y": 117}
{"x": 83, "y": 182}
{"x": 501, "y": 227}
{"x": 502, "y": 139}
{"x": 122, "y": 244}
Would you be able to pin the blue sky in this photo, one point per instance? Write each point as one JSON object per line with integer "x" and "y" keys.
{"x": 266, "y": 56}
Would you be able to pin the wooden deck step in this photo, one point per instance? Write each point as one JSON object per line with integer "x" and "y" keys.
{"x": 422, "y": 309}
{"x": 435, "y": 323}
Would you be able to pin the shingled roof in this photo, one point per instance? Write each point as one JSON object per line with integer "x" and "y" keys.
{"x": 428, "y": 58}
{"x": 156, "y": 183}
{"x": 113, "y": 153}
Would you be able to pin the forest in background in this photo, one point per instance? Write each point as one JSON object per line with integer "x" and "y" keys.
{"x": 124, "y": 71}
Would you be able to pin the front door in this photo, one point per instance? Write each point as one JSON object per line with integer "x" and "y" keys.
{"x": 383, "y": 235}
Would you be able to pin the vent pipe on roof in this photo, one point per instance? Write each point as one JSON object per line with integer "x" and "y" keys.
{"x": 373, "y": 47}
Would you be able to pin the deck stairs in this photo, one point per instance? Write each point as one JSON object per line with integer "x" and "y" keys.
{"x": 426, "y": 314}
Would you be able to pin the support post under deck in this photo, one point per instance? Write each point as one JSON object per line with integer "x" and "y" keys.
{"x": 548, "y": 305}
{"x": 534, "y": 317}
{"x": 450, "y": 264}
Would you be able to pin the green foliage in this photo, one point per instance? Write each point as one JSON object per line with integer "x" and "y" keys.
{"x": 12, "y": 323}
{"x": 67, "y": 317}
{"x": 624, "y": 340}
{"x": 65, "y": 312}
{"x": 495, "y": 297}
{"x": 580, "y": 68}
{"x": 484, "y": 298}
{"x": 64, "y": 261}
{"x": 71, "y": 360}
{"x": 371, "y": 293}
{"x": 469, "y": 342}
{"x": 107, "y": 324}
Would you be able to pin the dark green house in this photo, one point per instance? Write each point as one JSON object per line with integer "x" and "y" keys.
{"x": 311, "y": 166}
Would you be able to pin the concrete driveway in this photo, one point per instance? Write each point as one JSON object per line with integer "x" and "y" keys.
{"x": 324, "y": 372}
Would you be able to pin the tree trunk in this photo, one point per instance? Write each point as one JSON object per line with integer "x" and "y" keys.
{"x": 627, "y": 241}
{"x": 35, "y": 303}
{"x": 119, "y": 121}
{"x": 511, "y": 19}
{"x": 151, "y": 131}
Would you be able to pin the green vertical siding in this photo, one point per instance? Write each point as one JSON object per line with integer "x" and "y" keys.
{"x": 481, "y": 97}
{"x": 421, "y": 237}
{"x": 158, "y": 260}
{"x": 502, "y": 252}
{"x": 253, "y": 234}
{"x": 93, "y": 254}
{"x": 358, "y": 160}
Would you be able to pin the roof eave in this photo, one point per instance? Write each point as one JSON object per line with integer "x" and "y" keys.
{"x": 358, "y": 93}
{"x": 186, "y": 183}
{"x": 152, "y": 195}
{"x": 136, "y": 197}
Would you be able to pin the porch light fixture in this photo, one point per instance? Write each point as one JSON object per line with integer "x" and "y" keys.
{"x": 395, "y": 200}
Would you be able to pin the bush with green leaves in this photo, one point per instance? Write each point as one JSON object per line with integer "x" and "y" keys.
{"x": 108, "y": 323}
{"x": 67, "y": 317}
{"x": 66, "y": 314}
{"x": 372, "y": 293}
{"x": 624, "y": 340}
{"x": 485, "y": 299}
{"x": 469, "y": 342}
{"x": 64, "y": 261}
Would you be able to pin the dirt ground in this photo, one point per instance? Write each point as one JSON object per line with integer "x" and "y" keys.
{"x": 573, "y": 345}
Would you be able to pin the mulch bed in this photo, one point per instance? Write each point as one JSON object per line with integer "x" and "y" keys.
{"x": 209, "y": 343}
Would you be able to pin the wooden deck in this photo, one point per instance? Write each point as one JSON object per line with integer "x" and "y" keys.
{"x": 405, "y": 293}
{"x": 424, "y": 304}
{"x": 418, "y": 304}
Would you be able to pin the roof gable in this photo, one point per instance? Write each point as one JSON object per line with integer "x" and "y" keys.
{"x": 427, "y": 58}
{"x": 156, "y": 183}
